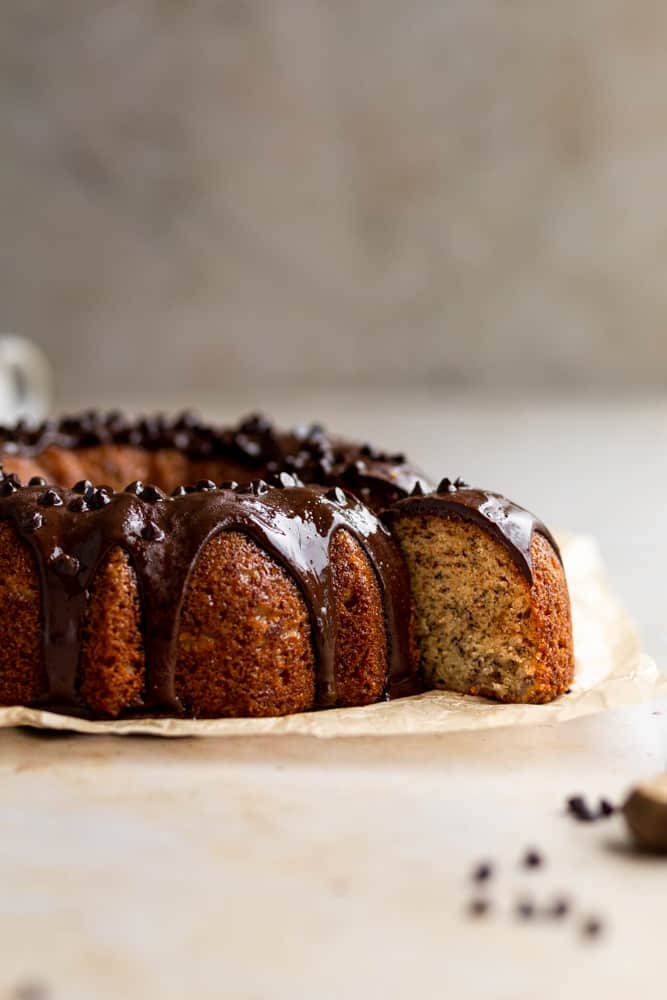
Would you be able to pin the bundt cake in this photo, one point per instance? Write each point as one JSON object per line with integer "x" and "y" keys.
{"x": 298, "y": 572}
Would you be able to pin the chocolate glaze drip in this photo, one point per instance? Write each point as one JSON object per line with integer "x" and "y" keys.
{"x": 511, "y": 525}
{"x": 71, "y": 531}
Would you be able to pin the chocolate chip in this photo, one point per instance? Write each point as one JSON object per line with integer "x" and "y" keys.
{"x": 483, "y": 872}
{"x": 229, "y": 484}
{"x": 204, "y": 485}
{"x": 417, "y": 490}
{"x": 37, "y": 481}
{"x": 336, "y": 495}
{"x": 592, "y": 927}
{"x": 99, "y": 498}
{"x": 479, "y": 907}
{"x": 83, "y": 486}
{"x": 151, "y": 532}
{"x": 578, "y": 807}
{"x": 7, "y": 487}
{"x": 78, "y": 505}
{"x": 286, "y": 480}
{"x": 34, "y": 522}
{"x": 532, "y": 859}
{"x": 50, "y": 499}
{"x": 559, "y": 908}
{"x": 65, "y": 565}
{"x": 152, "y": 494}
{"x": 179, "y": 491}
{"x": 136, "y": 488}
{"x": 525, "y": 909}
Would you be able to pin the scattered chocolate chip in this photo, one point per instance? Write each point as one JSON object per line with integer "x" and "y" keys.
{"x": 559, "y": 908}
{"x": 578, "y": 807}
{"x": 136, "y": 488}
{"x": 152, "y": 533}
{"x": 152, "y": 494}
{"x": 99, "y": 498}
{"x": 37, "y": 481}
{"x": 34, "y": 522}
{"x": 479, "y": 907}
{"x": 229, "y": 484}
{"x": 50, "y": 499}
{"x": 204, "y": 485}
{"x": 525, "y": 909}
{"x": 65, "y": 565}
{"x": 532, "y": 859}
{"x": 446, "y": 486}
{"x": 592, "y": 927}
{"x": 83, "y": 486}
{"x": 417, "y": 490}
{"x": 483, "y": 872}
{"x": 336, "y": 495}
{"x": 261, "y": 487}
{"x": 179, "y": 491}
{"x": 7, "y": 487}
{"x": 78, "y": 505}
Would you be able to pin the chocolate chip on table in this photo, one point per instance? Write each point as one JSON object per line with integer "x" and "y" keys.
{"x": 525, "y": 909}
{"x": 592, "y": 927}
{"x": 579, "y": 808}
{"x": 482, "y": 872}
{"x": 532, "y": 859}
{"x": 606, "y": 808}
{"x": 559, "y": 908}
{"x": 479, "y": 907}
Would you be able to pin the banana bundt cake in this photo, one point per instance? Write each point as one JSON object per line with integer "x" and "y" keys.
{"x": 298, "y": 571}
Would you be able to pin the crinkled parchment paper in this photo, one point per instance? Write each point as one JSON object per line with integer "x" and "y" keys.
{"x": 611, "y": 672}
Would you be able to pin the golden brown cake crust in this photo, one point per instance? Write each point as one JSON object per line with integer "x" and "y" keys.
{"x": 244, "y": 645}
{"x": 22, "y": 678}
{"x": 554, "y": 671}
{"x": 361, "y": 646}
{"x": 112, "y": 667}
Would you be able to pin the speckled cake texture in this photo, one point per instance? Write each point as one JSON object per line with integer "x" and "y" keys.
{"x": 169, "y": 567}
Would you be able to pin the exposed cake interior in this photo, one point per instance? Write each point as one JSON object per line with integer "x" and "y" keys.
{"x": 481, "y": 626}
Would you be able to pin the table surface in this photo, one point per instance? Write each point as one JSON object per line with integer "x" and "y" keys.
{"x": 291, "y": 867}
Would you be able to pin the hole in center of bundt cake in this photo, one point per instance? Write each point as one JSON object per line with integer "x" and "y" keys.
{"x": 116, "y": 465}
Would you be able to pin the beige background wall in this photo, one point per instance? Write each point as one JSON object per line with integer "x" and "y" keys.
{"x": 419, "y": 192}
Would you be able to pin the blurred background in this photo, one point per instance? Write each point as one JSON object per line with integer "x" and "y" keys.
{"x": 423, "y": 195}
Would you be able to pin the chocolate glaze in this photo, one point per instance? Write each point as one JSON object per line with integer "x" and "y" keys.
{"x": 378, "y": 478}
{"x": 511, "y": 525}
{"x": 71, "y": 531}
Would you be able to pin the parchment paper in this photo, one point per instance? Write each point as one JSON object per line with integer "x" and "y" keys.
{"x": 611, "y": 671}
